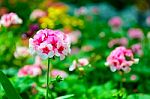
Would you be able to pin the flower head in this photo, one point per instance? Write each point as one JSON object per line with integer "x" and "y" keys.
{"x": 115, "y": 22}
{"x": 135, "y": 33}
{"x": 9, "y": 19}
{"x": 118, "y": 41}
{"x": 37, "y": 13}
{"x": 79, "y": 63}
{"x": 121, "y": 59}
{"x": 21, "y": 52}
{"x": 49, "y": 43}
{"x": 31, "y": 70}
{"x": 137, "y": 48}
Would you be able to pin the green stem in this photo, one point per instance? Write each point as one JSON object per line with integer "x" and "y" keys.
{"x": 47, "y": 87}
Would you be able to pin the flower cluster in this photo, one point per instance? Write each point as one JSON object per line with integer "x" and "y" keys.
{"x": 79, "y": 63}
{"x": 58, "y": 16}
{"x": 9, "y": 19}
{"x": 30, "y": 70}
{"x": 49, "y": 43}
{"x": 21, "y": 52}
{"x": 37, "y": 13}
{"x": 137, "y": 48}
{"x": 115, "y": 22}
{"x": 118, "y": 41}
{"x": 135, "y": 33}
{"x": 121, "y": 59}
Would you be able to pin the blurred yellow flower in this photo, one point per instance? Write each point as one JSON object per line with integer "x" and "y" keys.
{"x": 57, "y": 17}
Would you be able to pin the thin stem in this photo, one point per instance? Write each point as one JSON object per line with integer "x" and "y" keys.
{"x": 47, "y": 87}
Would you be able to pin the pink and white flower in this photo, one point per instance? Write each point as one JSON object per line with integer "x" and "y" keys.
{"x": 115, "y": 22}
{"x": 30, "y": 70}
{"x": 49, "y": 43}
{"x": 121, "y": 59}
{"x": 79, "y": 63}
{"x": 37, "y": 13}
{"x": 21, "y": 52}
{"x": 135, "y": 33}
{"x": 118, "y": 41}
{"x": 10, "y": 19}
{"x": 74, "y": 36}
{"x": 56, "y": 72}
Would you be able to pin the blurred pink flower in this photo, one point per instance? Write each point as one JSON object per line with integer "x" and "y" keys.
{"x": 118, "y": 41}
{"x": 81, "y": 11}
{"x": 74, "y": 50}
{"x": 135, "y": 33}
{"x": 133, "y": 77}
{"x": 49, "y": 43}
{"x": 137, "y": 48}
{"x": 30, "y": 70}
{"x": 121, "y": 59}
{"x": 115, "y": 22}
{"x": 21, "y": 52}
{"x": 56, "y": 72}
{"x": 37, "y": 13}
{"x": 9, "y": 19}
{"x": 148, "y": 20}
{"x": 74, "y": 36}
{"x": 87, "y": 48}
{"x": 79, "y": 63}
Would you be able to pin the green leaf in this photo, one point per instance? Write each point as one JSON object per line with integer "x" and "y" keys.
{"x": 65, "y": 97}
{"x": 9, "y": 89}
{"x": 139, "y": 96}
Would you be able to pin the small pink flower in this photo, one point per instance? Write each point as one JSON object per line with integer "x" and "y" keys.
{"x": 133, "y": 77}
{"x": 148, "y": 20}
{"x": 10, "y": 19}
{"x": 30, "y": 70}
{"x": 21, "y": 52}
{"x": 137, "y": 48}
{"x": 115, "y": 22}
{"x": 74, "y": 36}
{"x": 56, "y": 72}
{"x": 120, "y": 59}
{"x": 49, "y": 43}
{"x": 135, "y": 33}
{"x": 119, "y": 41}
{"x": 87, "y": 48}
{"x": 79, "y": 63}
{"x": 37, "y": 13}
{"x": 81, "y": 11}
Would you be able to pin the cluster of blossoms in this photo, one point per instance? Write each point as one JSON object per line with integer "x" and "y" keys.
{"x": 30, "y": 70}
{"x": 121, "y": 59}
{"x": 137, "y": 48}
{"x": 74, "y": 36}
{"x": 10, "y": 19}
{"x": 79, "y": 63}
{"x": 58, "y": 15}
{"x": 21, "y": 52}
{"x": 37, "y": 13}
{"x": 115, "y": 22}
{"x": 135, "y": 33}
{"x": 49, "y": 43}
{"x": 118, "y": 41}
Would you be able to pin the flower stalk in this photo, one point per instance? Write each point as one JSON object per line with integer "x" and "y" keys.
{"x": 47, "y": 87}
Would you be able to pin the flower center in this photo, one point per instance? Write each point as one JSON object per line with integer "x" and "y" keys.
{"x": 46, "y": 50}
